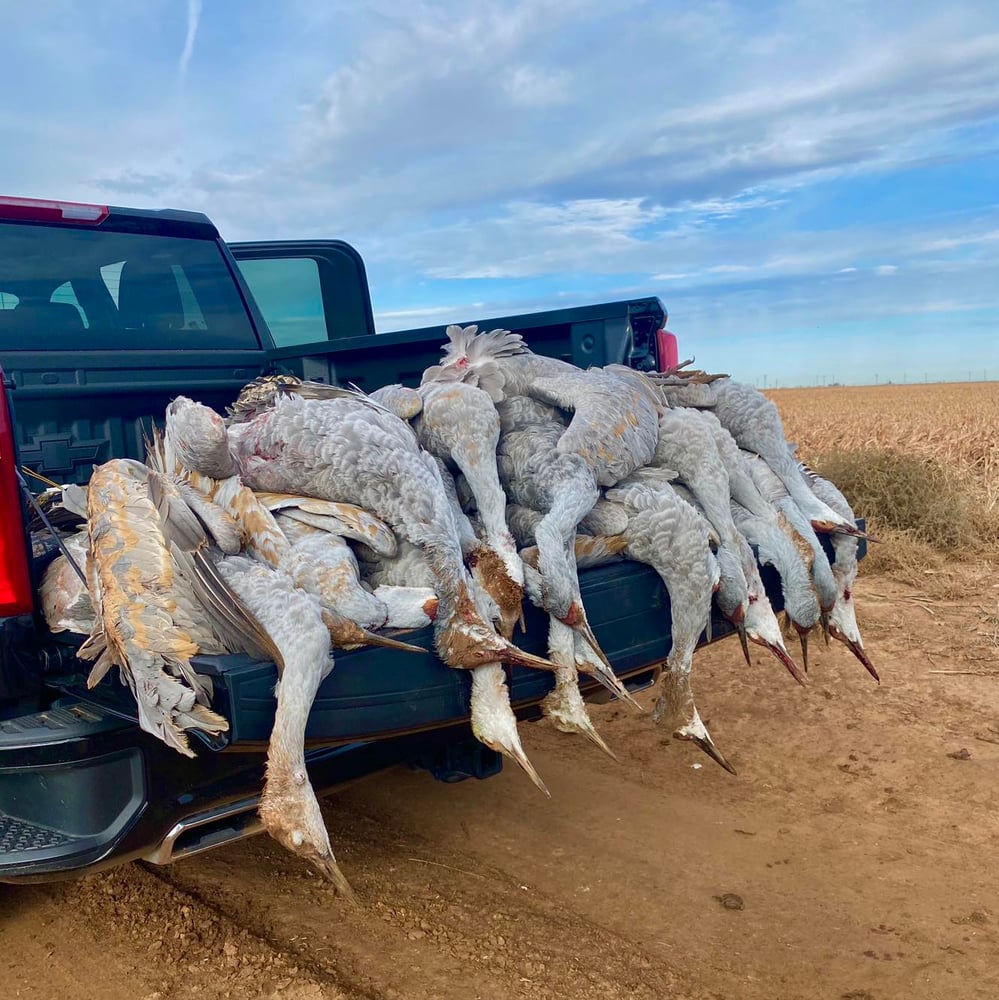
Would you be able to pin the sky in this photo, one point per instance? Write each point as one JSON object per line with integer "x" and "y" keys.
{"x": 811, "y": 188}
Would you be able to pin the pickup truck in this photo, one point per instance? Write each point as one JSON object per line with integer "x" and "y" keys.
{"x": 105, "y": 315}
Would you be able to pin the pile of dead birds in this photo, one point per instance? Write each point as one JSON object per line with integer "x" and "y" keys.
{"x": 312, "y": 517}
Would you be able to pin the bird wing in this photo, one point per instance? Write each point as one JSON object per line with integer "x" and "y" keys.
{"x": 236, "y": 626}
{"x": 143, "y": 616}
{"x": 179, "y": 523}
{"x": 557, "y": 390}
{"x": 344, "y": 519}
{"x": 605, "y": 519}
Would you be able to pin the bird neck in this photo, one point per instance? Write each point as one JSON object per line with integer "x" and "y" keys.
{"x": 286, "y": 750}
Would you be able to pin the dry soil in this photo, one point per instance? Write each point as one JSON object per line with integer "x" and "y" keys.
{"x": 854, "y": 857}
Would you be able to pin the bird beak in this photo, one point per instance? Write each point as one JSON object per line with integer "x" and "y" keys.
{"x": 828, "y": 527}
{"x": 781, "y": 653}
{"x": 509, "y": 653}
{"x": 594, "y": 737}
{"x": 576, "y": 619}
{"x": 803, "y": 639}
{"x": 741, "y": 629}
{"x": 858, "y": 652}
{"x": 824, "y": 621}
{"x": 715, "y": 754}
{"x": 372, "y": 639}
{"x": 517, "y": 754}
{"x": 330, "y": 870}
{"x": 706, "y": 744}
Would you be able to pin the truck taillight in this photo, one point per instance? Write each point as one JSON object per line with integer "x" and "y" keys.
{"x": 39, "y": 210}
{"x": 15, "y": 581}
{"x": 667, "y": 349}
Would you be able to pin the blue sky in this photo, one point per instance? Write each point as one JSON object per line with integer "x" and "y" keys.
{"x": 811, "y": 188}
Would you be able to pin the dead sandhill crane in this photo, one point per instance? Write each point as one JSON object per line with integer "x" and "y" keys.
{"x": 148, "y": 619}
{"x": 668, "y": 534}
{"x": 560, "y": 487}
{"x": 686, "y": 445}
{"x": 761, "y": 523}
{"x": 297, "y": 624}
{"x": 752, "y": 419}
{"x": 457, "y": 422}
{"x": 843, "y": 617}
{"x": 612, "y": 431}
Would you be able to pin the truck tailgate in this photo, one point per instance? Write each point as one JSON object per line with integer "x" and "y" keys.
{"x": 376, "y": 693}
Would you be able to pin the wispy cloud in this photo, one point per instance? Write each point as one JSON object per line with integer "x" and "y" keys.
{"x": 193, "y": 20}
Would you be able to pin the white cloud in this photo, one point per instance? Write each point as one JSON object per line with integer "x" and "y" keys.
{"x": 556, "y": 150}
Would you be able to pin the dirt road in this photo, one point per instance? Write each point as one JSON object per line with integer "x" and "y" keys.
{"x": 854, "y": 857}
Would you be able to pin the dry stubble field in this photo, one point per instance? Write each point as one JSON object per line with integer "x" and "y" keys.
{"x": 856, "y": 848}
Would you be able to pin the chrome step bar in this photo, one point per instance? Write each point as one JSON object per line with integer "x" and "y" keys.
{"x": 207, "y": 830}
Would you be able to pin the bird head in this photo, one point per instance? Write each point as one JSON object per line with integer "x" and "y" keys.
{"x": 493, "y": 721}
{"x": 199, "y": 439}
{"x": 291, "y": 815}
{"x": 843, "y": 626}
{"x": 763, "y": 628}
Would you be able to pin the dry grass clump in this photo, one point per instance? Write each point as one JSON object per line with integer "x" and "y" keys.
{"x": 903, "y": 495}
{"x": 920, "y": 462}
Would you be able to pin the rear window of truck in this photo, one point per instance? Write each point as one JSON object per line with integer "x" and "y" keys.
{"x": 96, "y": 289}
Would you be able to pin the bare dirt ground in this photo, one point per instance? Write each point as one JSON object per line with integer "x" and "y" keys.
{"x": 856, "y": 850}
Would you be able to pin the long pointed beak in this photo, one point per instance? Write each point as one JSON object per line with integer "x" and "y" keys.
{"x": 741, "y": 629}
{"x": 509, "y": 653}
{"x": 782, "y": 654}
{"x": 824, "y": 622}
{"x": 706, "y": 744}
{"x": 594, "y": 737}
{"x": 827, "y": 527}
{"x": 613, "y": 684}
{"x": 576, "y": 619}
{"x": 517, "y": 754}
{"x": 715, "y": 754}
{"x": 373, "y": 639}
{"x": 330, "y": 870}
{"x": 858, "y": 652}
{"x": 803, "y": 639}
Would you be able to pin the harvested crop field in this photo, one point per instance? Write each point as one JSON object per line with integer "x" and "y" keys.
{"x": 852, "y": 858}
